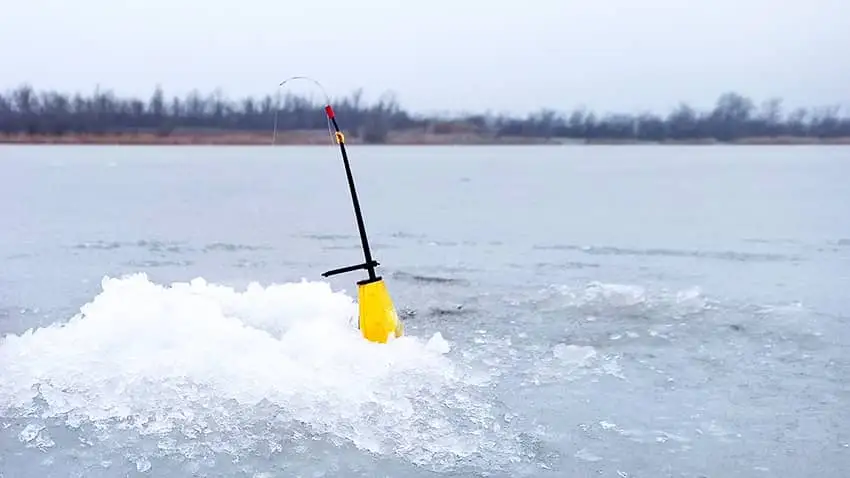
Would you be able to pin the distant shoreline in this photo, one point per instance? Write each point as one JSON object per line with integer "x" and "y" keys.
{"x": 394, "y": 138}
{"x": 28, "y": 116}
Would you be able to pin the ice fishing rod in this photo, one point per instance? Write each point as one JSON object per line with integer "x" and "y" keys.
{"x": 378, "y": 320}
{"x": 369, "y": 263}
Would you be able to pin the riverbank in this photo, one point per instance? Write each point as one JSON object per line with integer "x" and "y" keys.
{"x": 322, "y": 137}
{"x": 239, "y": 138}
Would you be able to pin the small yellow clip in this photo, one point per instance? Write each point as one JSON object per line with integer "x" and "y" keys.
{"x": 340, "y": 138}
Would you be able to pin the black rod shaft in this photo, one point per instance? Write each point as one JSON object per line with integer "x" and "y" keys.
{"x": 364, "y": 241}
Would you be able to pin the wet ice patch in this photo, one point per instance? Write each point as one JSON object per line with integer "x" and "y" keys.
{"x": 601, "y": 300}
{"x": 618, "y": 295}
{"x": 575, "y": 355}
{"x": 568, "y": 362}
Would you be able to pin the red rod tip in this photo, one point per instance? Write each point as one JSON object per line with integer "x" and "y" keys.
{"x": 329, "y": 111}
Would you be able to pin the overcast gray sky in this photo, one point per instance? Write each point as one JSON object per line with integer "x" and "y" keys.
{"x": 452, "y": 55}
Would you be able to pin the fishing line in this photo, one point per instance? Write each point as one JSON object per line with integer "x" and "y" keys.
{"x": 321, "y": 88}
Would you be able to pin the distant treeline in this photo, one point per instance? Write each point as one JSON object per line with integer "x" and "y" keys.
{"x": 27, "y": 111}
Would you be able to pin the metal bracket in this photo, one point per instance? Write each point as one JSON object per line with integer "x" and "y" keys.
{"x": 366, "y": 265}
